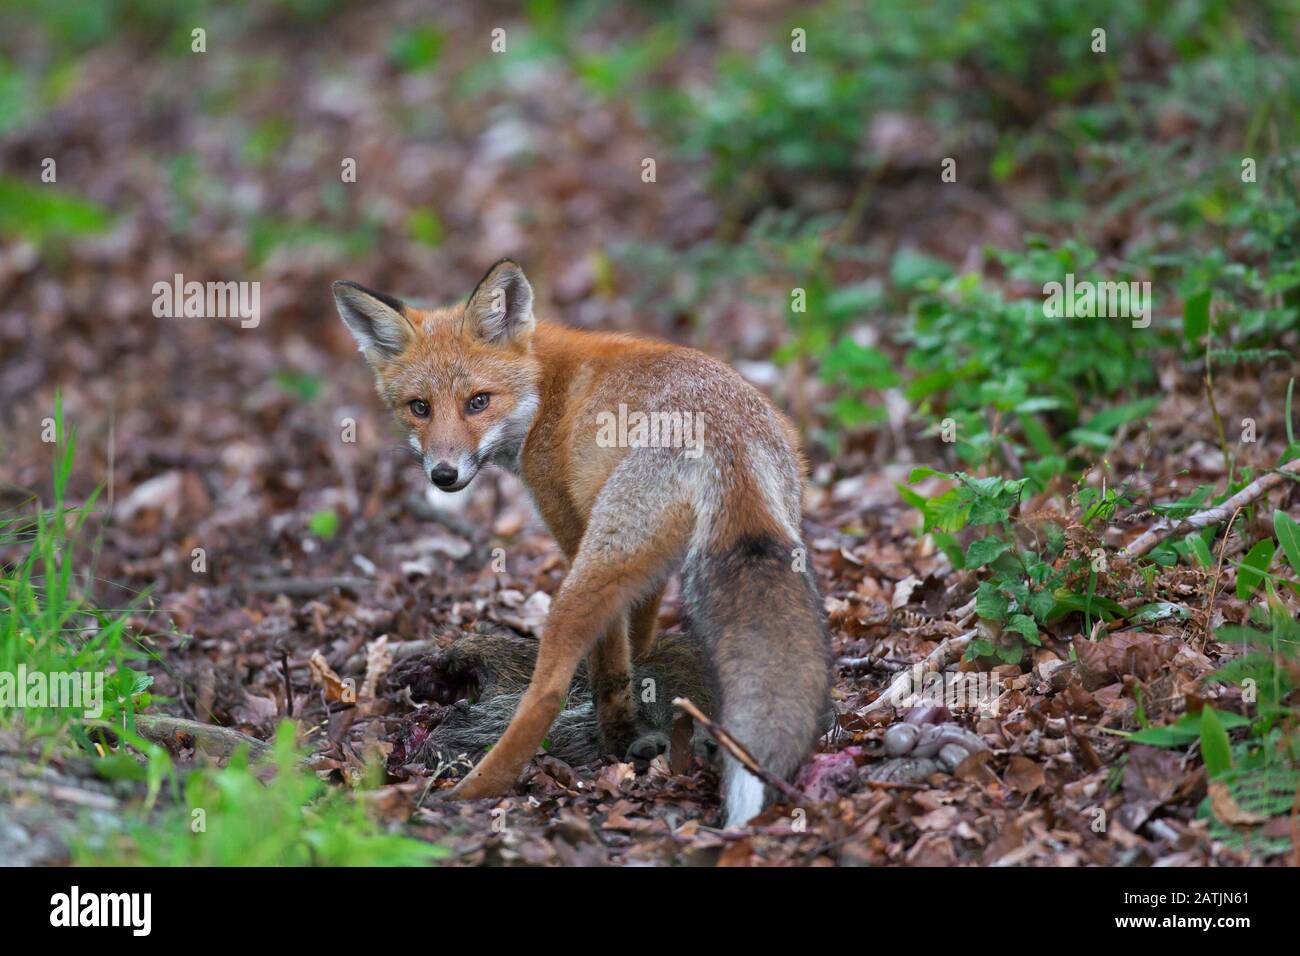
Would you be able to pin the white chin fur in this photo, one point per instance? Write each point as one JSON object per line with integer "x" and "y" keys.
{"x": 744, "y": 798}
{"x": 445, "y": 501}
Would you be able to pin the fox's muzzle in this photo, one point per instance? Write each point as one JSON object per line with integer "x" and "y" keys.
{"x": 447, "y": 475}
{"x": 444, "y": 475}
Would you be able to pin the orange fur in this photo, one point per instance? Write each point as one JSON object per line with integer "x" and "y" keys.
{"x": 627, "y": 517}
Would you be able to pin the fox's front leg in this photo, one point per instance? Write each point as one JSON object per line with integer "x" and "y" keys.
{"x": 589, "y": 600}
{"x": 631, "y": 542}
{"x": 562, "y": 647}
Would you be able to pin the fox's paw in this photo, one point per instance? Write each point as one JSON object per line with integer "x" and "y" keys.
{"x": 478, "y": 785}
{"x": 616, "y": 737}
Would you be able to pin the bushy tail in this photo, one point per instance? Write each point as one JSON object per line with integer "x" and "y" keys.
{"x": 759, "y": 612}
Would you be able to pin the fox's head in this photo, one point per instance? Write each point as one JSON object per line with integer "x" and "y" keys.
{"x": 462, "y": 381}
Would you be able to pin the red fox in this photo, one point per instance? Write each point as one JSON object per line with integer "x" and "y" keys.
{"x": 595, "y": 424}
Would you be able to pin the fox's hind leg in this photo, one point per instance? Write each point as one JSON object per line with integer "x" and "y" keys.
{"x": 632, "y": 542}
{"x": 643, "y": 623}
{"x": 643, "y": 628}
{"x": 610, "y": 671}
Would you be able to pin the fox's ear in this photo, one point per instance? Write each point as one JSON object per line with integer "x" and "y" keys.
{"x": 501, "y": 307}
{"x": 378, "y": 322}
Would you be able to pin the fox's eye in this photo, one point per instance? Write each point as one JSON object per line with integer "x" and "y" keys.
{"x": 419, "y": 408}
{"x": 478, "y": 402}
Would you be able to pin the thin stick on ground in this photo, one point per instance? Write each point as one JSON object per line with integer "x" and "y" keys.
{"x": 1216, "y": 515}
{"x": 737, "y": 750}
{"x": 1214, "y": 585}
{"x": 868, "y": 663}
{"x": 902, "y": 686}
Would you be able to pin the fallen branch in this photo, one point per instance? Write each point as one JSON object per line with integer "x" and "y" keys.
{"x": 307, "y": 587}
{"x": 866, "y": 663}
{"x": 949, "y": 649}
{"x": 215, "y": 741}
{"x": 1216, "y": 515}
{"x": 737, "y": 750}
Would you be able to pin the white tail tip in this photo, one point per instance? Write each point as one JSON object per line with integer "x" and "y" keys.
{"x": 744, "y": 797}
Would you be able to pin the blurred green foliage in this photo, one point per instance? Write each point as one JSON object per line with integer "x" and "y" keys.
{"x": 249, "y": 815}
{"x": 48, "y": 623}
{"x": 416, "y": 48}
{"x": 1005, "y": 371}
{"x": 1027, "y": 70}
{"x": 1019, "y": 88}
{"x": 38, "y": 212}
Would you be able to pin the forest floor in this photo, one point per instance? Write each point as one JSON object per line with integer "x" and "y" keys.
{"x": 230, "y": 440}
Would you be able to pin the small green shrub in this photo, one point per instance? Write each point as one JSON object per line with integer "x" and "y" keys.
{"x": 231, "y": 817}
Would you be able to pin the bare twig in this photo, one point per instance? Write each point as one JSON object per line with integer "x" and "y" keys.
{"x": 948, "y": 651}
{"x": 894, "y": 785}
{"x": 207, "y": 692}
{"x": 869, "y": 663}
{"x": 288, "y": 685}
{"x": 963, "y": 614}
{"x": 1218, "y": 574}
{"x": 1216, "y": 515}
{"x": 1214, "y": 410}
{"x": 737, "y": 750}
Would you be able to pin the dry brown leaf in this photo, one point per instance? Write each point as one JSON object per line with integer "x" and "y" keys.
{"x": 336, "y": 689}
{"x": 1228, "y": 810}
{"x": 1024, "y": 775}
{"x": 1116, "y": 656}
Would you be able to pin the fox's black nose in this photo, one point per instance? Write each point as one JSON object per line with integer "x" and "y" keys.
{"x": 443, "y": 474}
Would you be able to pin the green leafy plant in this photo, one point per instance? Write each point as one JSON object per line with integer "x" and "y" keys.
{"x": 1023, "y": 587}
{"x": 49, "y": 622}
{"x": 259, "y": 815}
{"x": 1015, "y": 380}
{"x": 1017, "y": 592}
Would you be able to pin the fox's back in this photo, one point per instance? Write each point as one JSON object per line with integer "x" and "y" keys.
{"x": 703, "y": 430}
